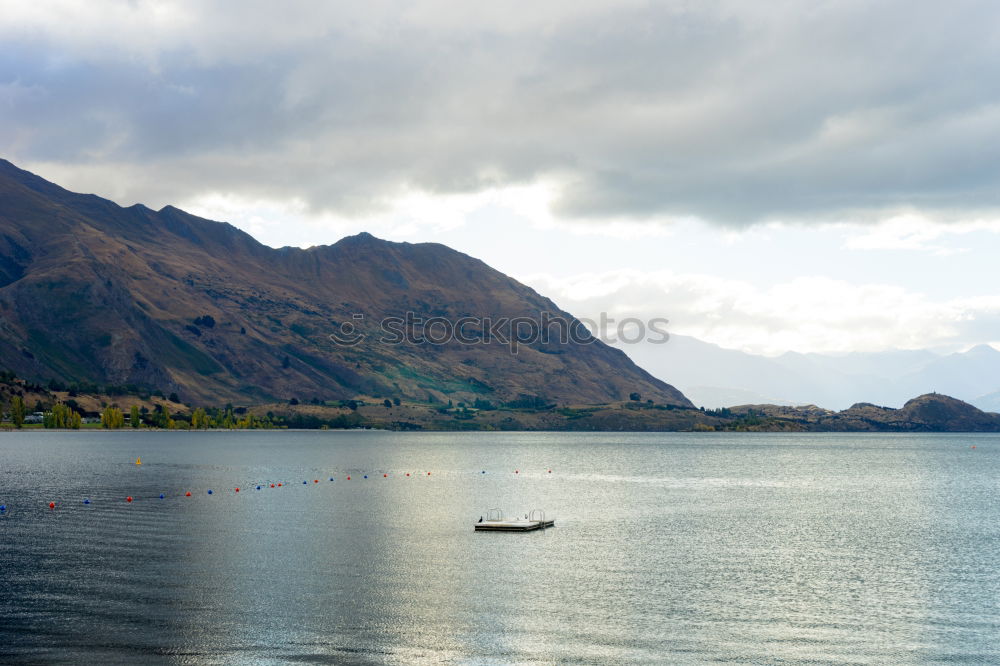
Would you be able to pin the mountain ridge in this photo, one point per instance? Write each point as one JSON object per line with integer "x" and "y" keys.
{"x": 94, "y": 292}
{"x": 716, "y": 377}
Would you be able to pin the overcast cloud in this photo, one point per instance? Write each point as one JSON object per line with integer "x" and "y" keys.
{"x": 728, "y": 112}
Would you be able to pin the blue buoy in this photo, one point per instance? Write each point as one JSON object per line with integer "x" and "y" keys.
{"x": 366, "y": 476}
{"x": 483, "y": 472}
{"x": 161, "y": 495}
{"x": 258, "y": 487}
{"x": 86, "y": 501}
{"x": 209, "y": 492}
{"x": 3, "y": 507}
{"x": 303, "y": 483}
{"x": 331, "y": 478}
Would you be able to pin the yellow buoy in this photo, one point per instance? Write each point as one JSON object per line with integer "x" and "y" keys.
{"x": 138, "y": 461}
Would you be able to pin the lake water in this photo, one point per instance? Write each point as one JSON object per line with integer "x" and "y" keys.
{"x": 677, "y": 548}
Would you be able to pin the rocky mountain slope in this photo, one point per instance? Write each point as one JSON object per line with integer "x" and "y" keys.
{"x": 932, "y": 412}
{"x": 95, "y": 293}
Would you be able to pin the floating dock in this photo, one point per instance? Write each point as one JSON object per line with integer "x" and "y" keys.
{"x": 495, "y": 522}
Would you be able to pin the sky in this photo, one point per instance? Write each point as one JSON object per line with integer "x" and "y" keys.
{"x": 771, "y": 177}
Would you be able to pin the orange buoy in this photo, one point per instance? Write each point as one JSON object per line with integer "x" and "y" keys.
{"x": 315, "y": 480}
{"x": 129, "y": 499}
{"x": 973, "y": 446}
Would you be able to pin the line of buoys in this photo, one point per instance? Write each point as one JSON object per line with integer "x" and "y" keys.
{"x": 129, "y": 499}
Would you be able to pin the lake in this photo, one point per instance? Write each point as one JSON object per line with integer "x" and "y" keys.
{"x": 682, "y": 548}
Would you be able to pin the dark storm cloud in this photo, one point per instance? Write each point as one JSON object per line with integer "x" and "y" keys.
{"x": 729, "y": 112}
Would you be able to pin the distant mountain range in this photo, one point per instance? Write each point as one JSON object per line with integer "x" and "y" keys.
{"x": 713, "y": 377}
{"x": 97, "y": 294}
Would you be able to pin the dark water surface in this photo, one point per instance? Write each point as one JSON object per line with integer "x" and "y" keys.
{"x": 668, "y": 548}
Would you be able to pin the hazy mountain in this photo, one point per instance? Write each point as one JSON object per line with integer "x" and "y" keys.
{"x": 93, "y": 292}
{"x": 716, "y": 377}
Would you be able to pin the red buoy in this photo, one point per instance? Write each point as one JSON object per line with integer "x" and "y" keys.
{"x": 272, "y": 485}
{"x": 517, "y": 471}
{"x": 128, "y": 499}
{"x": 385, "y": 476}
{"x": 315, "y": 480}
{"x": 407, "y": 474}
{"x": 550, "y": 471}
{"x": 188, "y": 494}
{"x": 348, "y": 478}
{"x": 237, "y": 490}
{"x": 428, "y": 473}
{"x": 52, "y": 505}
{"x": 279, "y": 485}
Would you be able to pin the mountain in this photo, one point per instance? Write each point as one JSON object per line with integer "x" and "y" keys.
{"x": 932, "y": 412}
{"x": 92, "y": 292}
{"x": 716, "y": 377}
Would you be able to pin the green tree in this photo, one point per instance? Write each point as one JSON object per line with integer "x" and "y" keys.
{"x": 199, "y": 418}
{"x": 133, "y": 417}
{"x": 62, "y": 416}
{"x": 17, "y": 411}
{"x": 161, "y": 417}
{"x": 112, "y": 418}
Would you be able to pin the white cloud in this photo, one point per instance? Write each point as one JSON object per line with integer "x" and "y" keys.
{"x": 805, "y": 314}
{"x": 631, "y": 113}
{"x": 917, "y": 231}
